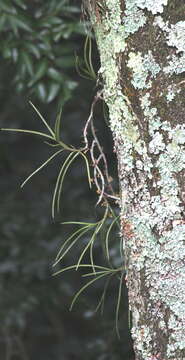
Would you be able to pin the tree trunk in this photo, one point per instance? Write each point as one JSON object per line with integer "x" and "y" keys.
{"x": 142, "y": 51}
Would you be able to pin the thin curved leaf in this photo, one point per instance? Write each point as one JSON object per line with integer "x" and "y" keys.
{"x": 107, "y": 237}
{"x": 71, "y": 245}
{"x": 85, "y": 287}
{"x": 43, "y": 120}
{"x": 32, "y": 132}
{"x": 40, "y": 167}
{"x": 58, "y": 182}
{"x": 73, "y": 235}
{"x": 63, "y": 176}
{"x": 118, "y": 303}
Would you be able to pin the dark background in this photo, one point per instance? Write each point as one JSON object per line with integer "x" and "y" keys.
{"x": 35, "y": 321}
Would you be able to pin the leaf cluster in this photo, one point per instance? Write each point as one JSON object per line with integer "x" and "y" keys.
{"x": 39, "y": 40}
{"x": 53, "y": 140}
{"x": 85, "y": 68}
{"x": 104, "y": 226}
{"x": 95, "y": 272}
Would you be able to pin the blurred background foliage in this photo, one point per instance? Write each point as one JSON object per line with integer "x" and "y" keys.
{"x": 39, "y": 39}
{"x": 38, "y": 44}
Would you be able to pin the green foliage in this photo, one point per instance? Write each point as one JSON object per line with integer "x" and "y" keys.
{"x": 85, "y": 68}
{"x": 108, "y": 221}
{"x": 28, "y": 293}
{"x": 54, "y": 136}
{"x": 104, "y": 225}
{"x": 39, "y": 41}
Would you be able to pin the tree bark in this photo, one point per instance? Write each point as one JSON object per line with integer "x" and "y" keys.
{"x": 142, "y": 51}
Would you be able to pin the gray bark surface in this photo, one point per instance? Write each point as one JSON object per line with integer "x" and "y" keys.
{"x": 142, "y": 51}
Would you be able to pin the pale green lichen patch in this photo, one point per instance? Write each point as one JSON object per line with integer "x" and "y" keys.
{"x": 142, "y": 67}
{"x": 134, "y": 17}
{"x": 161, "y": 23}
{"x": 133, "y": 21}
{"x": 151, "y": 116}
{"x": 175, "y": 65}
{"x": 111, "y": 41}
{"x": 165, "y": 278}
{"x": 170, "y": 95}
{"x": 155, "y": 7}
{"x": 175, "y": 37}
{"x": 169, "y": 269}
{"x": 177, "y": 134}
{"x": 175, "y": 33}
{"x": 142, "y": 333}
{"x": 131, "y": 133}
{"x": 156, "y": 145}
{"x": 174, "y": 324}
{"x": 171, "y": 159}
{"x": 172, "y": 91}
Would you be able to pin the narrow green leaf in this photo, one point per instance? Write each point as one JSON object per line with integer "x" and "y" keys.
{"x": 85, "y": 287}
{"x": 74, "y": 267}
{"x": 13, "y": 24}
{"x": 21, "y": 4}
{"x": 41, "y": 91}
{"x": 58, "y": 182}
{"x": 65, "y": 61}
{"x": 71, "y": 84}
{"x": 15, "y": 54}
{"x": 20, "y": 87}
{"x": 58, "y": 125}
{"x": 85, "y": 250}
{"x": 78, "y": 223}
{"x": 90, "y": 66}
{"x": 6, "y": 52}
{"x": 71, "y": 9}
{"x": 58, "y": 36}
{"x": 107, "y": 237}
{"x": 54, "y": 89}
{"x": 73, "y": 235}
{"x": 95, "y": 273}
{"x": 51, "y": 144}
{"x": 28, "y": 61}
{"x": 54, "y": 20}
{"x": 7, "y": 7}
{"x": 115, "y": 216}
{"x": 21, "y": 22}
{"x": 87, "y": 167}
{"x": 40, "y": 71}
{"x": 81, "y": 70}
{"x": 43, "y": 120}
{"x": 31, "y": 132}
{"x": 62, "y": 178}
{"x": 55, "y": 75}
{"x": 71, "y": 245}
{"x": 41, "y": 167}
{"x": 33, "y": 49}
{"x": 91, "y": 242}
{"x": 118, "y": 304}
{"x": 3, "y": 19}
{"x": 102, "y": 299}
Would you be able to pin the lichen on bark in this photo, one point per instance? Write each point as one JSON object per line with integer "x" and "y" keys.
{"x": 143, "y": 65}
